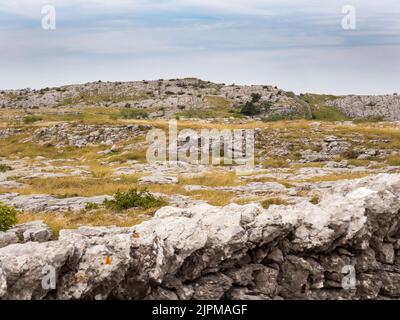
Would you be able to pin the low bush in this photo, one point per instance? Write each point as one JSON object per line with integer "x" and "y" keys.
{"x": 31, "y": 119}
{"x": 8, "y": 217}
{"x": 133, "y": 114}
{"x": 4, "y": 167}
{"x": 133, "y": 199}
{"x": 91, "y": 206}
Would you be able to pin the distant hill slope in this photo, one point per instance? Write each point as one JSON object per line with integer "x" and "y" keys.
{"x": 195, "y": 98}
{"x": 163, "y": 98}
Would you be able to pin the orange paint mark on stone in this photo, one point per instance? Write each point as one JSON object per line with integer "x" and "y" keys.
{"x": 108, "y": 260}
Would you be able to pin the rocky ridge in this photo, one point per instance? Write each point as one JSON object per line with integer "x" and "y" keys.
{"x": 160, "y": 98}
{"x": 233, "y": 252}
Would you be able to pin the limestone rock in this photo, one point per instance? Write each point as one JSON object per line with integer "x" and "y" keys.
{"x": 206, "y": 252}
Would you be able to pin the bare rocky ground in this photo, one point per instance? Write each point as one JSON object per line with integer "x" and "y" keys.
{"x": 323, "y": 195}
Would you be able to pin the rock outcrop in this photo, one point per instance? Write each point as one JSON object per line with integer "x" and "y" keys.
{"x": 346, "y": 247}
{"x": 81, "y": 135}
{"x": 385, "y": 107}
{"x": 42, "y": 203}
{"x": 26, "y": 232}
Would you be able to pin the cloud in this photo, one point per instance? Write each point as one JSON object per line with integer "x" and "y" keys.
{"x": 297, "y": 44}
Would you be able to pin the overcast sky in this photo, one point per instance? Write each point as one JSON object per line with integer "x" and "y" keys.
{"x": 299, "y": 45}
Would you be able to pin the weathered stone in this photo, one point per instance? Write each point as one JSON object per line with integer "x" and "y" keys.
{"x": 198, "y": 253}
{"x": 386, "y": 253}
{"x": 211, "y": 287}
{"x": 158, "y": 179}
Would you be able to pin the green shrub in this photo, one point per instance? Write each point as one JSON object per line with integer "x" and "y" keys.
{"x": 250, "y": 109}
{"x": 8, "y": 217}
{"x": 255, "y": 97}
{"x": 133, "y": 114}
{"x": 133, "y": 199}
{"x": 91, "y": 206}
{"x": 4, "y": 167}
{"x": 31, "y": 119}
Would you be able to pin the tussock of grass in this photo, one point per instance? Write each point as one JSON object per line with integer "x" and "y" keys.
{"x": 315, "y": 199}
{"x": 274, "y": 201}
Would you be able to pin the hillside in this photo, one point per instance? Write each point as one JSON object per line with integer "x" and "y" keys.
{"x": 195, "y": 98}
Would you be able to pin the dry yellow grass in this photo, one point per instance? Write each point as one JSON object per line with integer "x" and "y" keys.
{"x": 79, "y": 186}
{"x": 274, "y": 201}
{"x": 336, "y": 177}
{"x": 215, "y": 198}
{"x": 213, "y": 179}
{"x": 101, "y": 217}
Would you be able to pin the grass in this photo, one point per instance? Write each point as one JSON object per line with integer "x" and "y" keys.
{"x": 393, "y": 160}
{"x": 101, "y": 181}
{"x": 337, "y": 177}
{"x": 138, "y": 155}
{"x": 31, "y": 119}
{"x": 218, "y": 102}
{"x": 328, "y": 113}
{"x": 320, "y": 110}
{"x": 215, "y": 179}
{"x": 132, "y": 114}
{"x": 82, "y": 186}
{"x": 95, "y": 97}
{"x": 275, "y": 163}
{"x": 13, "y": 147}
{"x": 359, "y": 163}
{"x": 274, "y": 201}
{"x": 102, "y": 217}
{"x": 215, "y": 198}
{"x": 207, "y": 113}
{"x": 308, "y": 165}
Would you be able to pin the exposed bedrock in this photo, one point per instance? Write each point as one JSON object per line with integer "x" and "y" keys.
{"x": 385, "y": 107}
{"x": 303, "y": 251}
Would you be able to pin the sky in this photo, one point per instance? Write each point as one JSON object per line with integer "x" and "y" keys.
{"x": 298, "y": 45}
